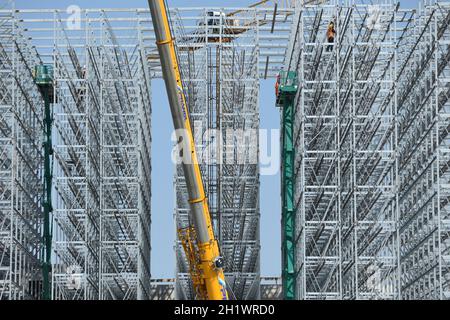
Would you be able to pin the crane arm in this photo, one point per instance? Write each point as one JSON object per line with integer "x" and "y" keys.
{"x": 210, "y": 284}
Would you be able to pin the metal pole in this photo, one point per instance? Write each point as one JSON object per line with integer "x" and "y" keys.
{"x": 47, "y": 190}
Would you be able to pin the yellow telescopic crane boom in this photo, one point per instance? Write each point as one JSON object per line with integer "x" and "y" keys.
{"x": 200, "y": 244}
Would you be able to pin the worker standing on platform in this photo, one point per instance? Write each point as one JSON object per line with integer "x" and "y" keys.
{"x": 277, "y": 85}
{"x": 331, "y": 33}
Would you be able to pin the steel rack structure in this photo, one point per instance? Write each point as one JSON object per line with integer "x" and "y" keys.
{"x": 103, "y": 60}
{"x": 345, "y": 142}
{"x": 21, "y": 164}
{"x": 164, "y": 289}
{"x": 371, "y": 136}
{"x": 371, "y": 133}
{"x": 424, "y": 157}
{"x": 222, "y": 59}
{"x": 271, "y": 288}
{"x": 102, "y": 109}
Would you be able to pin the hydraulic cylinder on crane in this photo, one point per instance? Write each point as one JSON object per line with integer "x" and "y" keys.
{"x": 201, "y": 246}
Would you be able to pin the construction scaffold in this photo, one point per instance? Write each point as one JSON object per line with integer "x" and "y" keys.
{"x": 371, "y": 147}
{"x": 21, "y": 164}
{"x": 102, "y": 62}
{"x": 372, "y": 150}
{"x": 101, "y": 107}
{"x": 223, "y": 54}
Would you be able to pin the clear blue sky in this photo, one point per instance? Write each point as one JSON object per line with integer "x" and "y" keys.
{"x": 163, "y": 230}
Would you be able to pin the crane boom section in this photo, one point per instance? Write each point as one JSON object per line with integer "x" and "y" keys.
{"x": 212, "y": 286}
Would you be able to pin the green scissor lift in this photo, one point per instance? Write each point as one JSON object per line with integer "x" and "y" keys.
{"x": 44, "y": 79}
{"x": 287, "y": 89}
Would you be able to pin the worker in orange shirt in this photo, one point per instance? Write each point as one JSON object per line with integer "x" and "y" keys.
{"x": 331, "y": 33}
{"x": 277, "y": 85}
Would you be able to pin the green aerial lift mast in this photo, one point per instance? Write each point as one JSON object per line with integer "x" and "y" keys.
{"x": 198, "y": 240}
{"x": 286, "y": 89}
{"x": 44, "y": 80}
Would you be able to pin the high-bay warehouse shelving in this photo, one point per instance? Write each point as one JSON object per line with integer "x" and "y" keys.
{"x": 371, "y": 148}
{"x": 221, "y": 66}
{"x": 101, "y": 155}
{"x": 372, "y": 151}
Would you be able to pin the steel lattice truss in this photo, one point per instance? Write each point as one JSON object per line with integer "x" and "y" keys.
{"x": 21, "y": 114}
{"x": 162, "y": 289}
{"x": 102, "y": 107}
{"x": 101, "y": 65}
{"x": 221, "y": 64}
{"x": 372, "y": 152}
{"x": 424, "y": 157}
{"x": 271, "y": 288}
